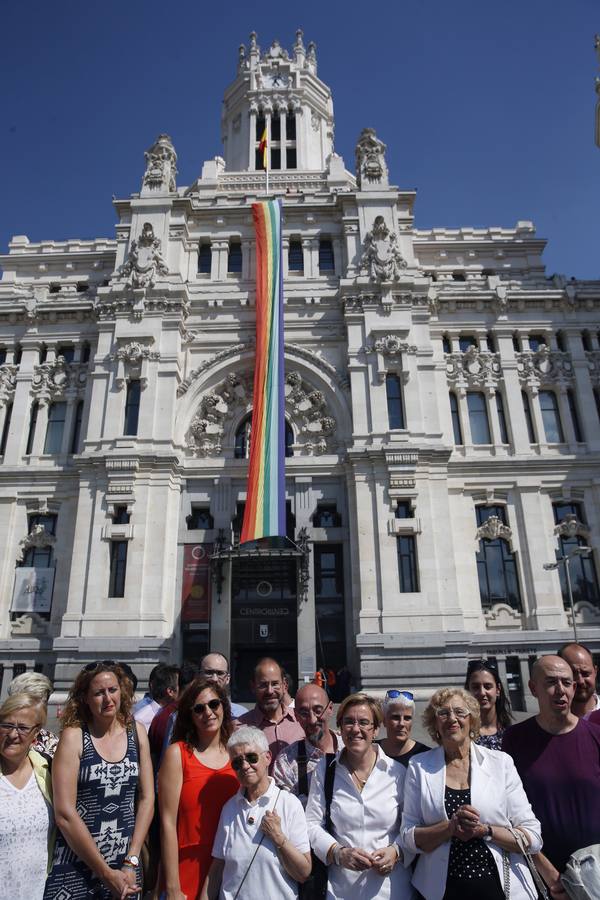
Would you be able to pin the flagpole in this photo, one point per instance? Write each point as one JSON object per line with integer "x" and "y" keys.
{"x": 268, "y": 154}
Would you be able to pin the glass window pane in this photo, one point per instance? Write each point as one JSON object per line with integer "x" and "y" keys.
{"x": 501, "y": 418}
{"x": 326, "y": 262}
{"x": 56, "y": 424}
{"x": 234, "y": 260}
{"x": 458, "y": 438}
{"x": 395, "y": 406}
{"x": 478, "y": 418}
{"x": 132, "y": 407}
{"x": 551, "y": 417}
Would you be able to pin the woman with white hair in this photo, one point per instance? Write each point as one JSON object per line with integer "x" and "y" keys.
{"x": 39, "y": 687}
{"x": 261, "y": 847}
{"x": 398, "y": 711}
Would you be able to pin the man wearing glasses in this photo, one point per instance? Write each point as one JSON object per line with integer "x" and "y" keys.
{"x": 270, "y": 714}
{"x": 215, "y": 667}
{"x": 295, "y": 764}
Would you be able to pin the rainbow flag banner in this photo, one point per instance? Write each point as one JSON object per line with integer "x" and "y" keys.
{"x": 264, "y": 515}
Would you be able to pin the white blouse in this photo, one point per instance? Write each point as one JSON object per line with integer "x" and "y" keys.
{"x": 369, "y": 820}
{"x": 25, "y": 820}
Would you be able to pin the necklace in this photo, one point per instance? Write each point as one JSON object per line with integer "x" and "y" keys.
{"x": 362, "y": 781}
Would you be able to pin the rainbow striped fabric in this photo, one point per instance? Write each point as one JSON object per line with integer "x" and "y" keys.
{"x": 264, "y": 515}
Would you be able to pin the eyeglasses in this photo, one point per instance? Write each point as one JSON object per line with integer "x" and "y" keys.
{"x": 362, "y": 723}
{"x": 394, "y": 695}
{"x": 318, "y": 712}
{"x": 251, "y": 758}
{"x": 486, "y": 663}
{"x": 101, "y": 662}
{"x": 200, "y": 707}
{"x": 216, "y": 673}
{"x": 446, "y": 711}
{"x": 22, "y": 730}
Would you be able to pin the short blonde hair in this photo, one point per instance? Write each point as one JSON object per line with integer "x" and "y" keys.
{"x": 33, "y": 683}
{"x": 361, "y": 699}
{"x": 16, "y": 702}
{"x": 439, "y": 699}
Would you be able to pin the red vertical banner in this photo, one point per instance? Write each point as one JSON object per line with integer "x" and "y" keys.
{"x": 196, "y": 583}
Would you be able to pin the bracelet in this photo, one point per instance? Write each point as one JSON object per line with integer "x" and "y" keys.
{"x": 398, "y": 851}
{"x": 282, "y": 845}
{"x": 336, "y": 854}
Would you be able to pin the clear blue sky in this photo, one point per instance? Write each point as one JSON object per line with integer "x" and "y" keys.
{"x": 487, "y": 108}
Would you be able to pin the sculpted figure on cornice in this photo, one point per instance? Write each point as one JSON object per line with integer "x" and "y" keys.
{"x": 144, "y": 261}
{"x": 38, "y": 537}
{"x": 58, "y": 378}
{"x": 571, "y": 527}
{"x": 593, "y": 358}
{"x": 492, "y": 529}
{"x": 371, "y": 167}
{"x": 8, "y": 382}
{"x": 306, "y": 408}
{"x": 473, "y": 368}
{"x": 391, "y": 345}
{"x": 161, "y": 166}
{"x": 381, "y": 257}
{"x": 543, "y": 366}
{"x": 132, "y": 359}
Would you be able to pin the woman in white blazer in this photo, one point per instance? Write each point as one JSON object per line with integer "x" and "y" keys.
{"x": 458, "y": 801}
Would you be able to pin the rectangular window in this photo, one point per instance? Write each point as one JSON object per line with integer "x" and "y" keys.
{"x": 501, "y": 418}
{"x": 407, "y": 563}
{"x": 275, "y": 158}
{"x": 327, "y": 516}
{"x": 260, "y": 127}
{"x": 6, "y": 428}
{"x": 67, "y": 352}
{"x": 275, "y": 128}
{"x": 528, "y": 416}
{"x": 40, "y": 557}
{"x": 326, "y": 261}
{"x": 393, "y": 389}
{"x": 478, "y": 418}
{"x": 290, "y": 127}
{"x": 291, "y": 159}
{"x": 132, "y": 407}
{"x": 456, "y": 428}
{"x": 403, "y": 509}
{"x": 496, "y": 565}
{"x": 234, "y": 259}
{"x": 121, "y": 516}
{"x": 77, "y": 427}
{"x": 572, "y": 400}
{"x": 551, "y": 417}
{"x": 584, "y": 579}
{"x": 330, "y": 605}
{"x": 200, "y": 518}
{"x": 536, "y": 341}
{"x": 296, "y": 257}
{"x": 204, "y": 259}
{"x": 118, "y": 568}
{"x": 32, "y": 423}
{"x": 465, "y": 341}
{"x": 2, "y": 356}
{"x": 57, "y": 414}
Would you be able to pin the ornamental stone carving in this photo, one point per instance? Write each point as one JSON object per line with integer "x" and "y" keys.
{"x": 593, "y": 359}
{"x": 391, "y": 345}
{"x": 381, "y": 257}
{"x": 56, "y": 379}
{"x": 132, "y": 362}
{"x": 144, "y": 262}
{"x": 473, "y": 368}
{"x": 371, "y": 167}
{"x": 161, "y": 167}
{"x": 492, "y": 529}
{"x": 571, "y": 527}
{"x": 544, "y": 366}
{"x": 8, "y": 382}
{"x": 37, "y": 538}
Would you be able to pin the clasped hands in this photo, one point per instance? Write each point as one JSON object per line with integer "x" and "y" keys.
{"x": 465, "y": 824}
{"x": 382, "y": 861}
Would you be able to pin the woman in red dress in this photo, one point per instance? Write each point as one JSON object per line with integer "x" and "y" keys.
{"x": 194, "y": 783}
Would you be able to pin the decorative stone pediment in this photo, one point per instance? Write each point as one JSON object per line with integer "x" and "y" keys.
{"x": 544, "y": 366}
{"x": 30, "y": 624}
{"x": 161, "y": 167}
{"x": 502, "y": 617}
{"x": 144, "y": 261}
{"x": 8, "y": 382}
{"x": 132, "y": 362}
{"x": 306, "y": 409}
{"x": 492, "y": 529}
{"x": 38, "y": 537}
{"x": 571, "y": 527}
{"x": 473, "y": 368}
{"x": 53, "y": 380}
{"x": 389, "y": 349}
{"x": 381, "y": 257}
{"x": 371, "y": 167}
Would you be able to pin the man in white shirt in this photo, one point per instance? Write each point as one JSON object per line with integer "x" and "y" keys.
{"x": 295, "y": 764}
{"x": 163, "y": 688}
{"x": 215, "y": 667}
{"x": 586, "y": 700}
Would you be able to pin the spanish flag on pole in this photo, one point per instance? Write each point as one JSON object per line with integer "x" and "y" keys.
{"x": 262, "y": 147}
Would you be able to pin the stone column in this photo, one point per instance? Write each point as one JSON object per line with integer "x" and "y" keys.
{"x": 542, "y": 598}
{"x": 285, "y": 252}
{"x": 536, "y": 412}
{"x": 41, "y": 426}
{"x": 512, "y": 395}
{"x": 566, "y": 419}
{"x": 282, "y": 139}
{"x": 463, "y": 412}
{"x": 307, "y": 641}
{"x": 365, "y": 562}
{"x": 246, "y": 258}
{"x": 252, "y": 142}
{"x": 19, "y": 423}
{"x": 494, "y": 419}
{"x": 584, "y": 390}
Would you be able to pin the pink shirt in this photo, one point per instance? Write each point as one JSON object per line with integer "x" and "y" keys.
{"x": 278, "y": 734}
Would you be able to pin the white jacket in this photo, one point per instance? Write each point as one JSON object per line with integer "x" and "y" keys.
{"x": 498, "y": 796}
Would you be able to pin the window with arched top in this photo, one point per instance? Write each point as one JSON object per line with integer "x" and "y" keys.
{"x": 243, "y": 438}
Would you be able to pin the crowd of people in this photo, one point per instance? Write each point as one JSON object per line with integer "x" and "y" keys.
{"x": 185, "y": 795}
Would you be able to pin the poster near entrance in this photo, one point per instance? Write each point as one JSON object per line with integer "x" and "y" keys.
{"x": 196, "y": 583}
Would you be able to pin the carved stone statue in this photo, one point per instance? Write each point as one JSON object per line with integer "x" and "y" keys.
{"x": 381, "y": 257}
{"x": 144, "y": 261}
{"x": 161, "y": 167}
{"x": 371, "y": 167}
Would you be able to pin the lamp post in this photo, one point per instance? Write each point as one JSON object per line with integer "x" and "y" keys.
{"x": 565, "y": 561}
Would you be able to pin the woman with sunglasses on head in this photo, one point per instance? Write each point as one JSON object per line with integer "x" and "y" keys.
{"x": 483, "y": 681}
{"x": 398, "y": 710}
{"x": 461, "y": 804}
{"x": 354, "y": 817}
{"x": 103, "y": 790}
{"x": 26, "y": 818}
{"x": 194, "y": 783}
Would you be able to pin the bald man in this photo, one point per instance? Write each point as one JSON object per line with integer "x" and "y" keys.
{"x": 295, "y": 764}
{"x": 586, "y": 700}
{"x": 271, "y": 714}
{"x": 557, "y": 756}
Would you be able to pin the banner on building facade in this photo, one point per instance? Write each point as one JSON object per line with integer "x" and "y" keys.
{"x": 196, "y": 583}
{"x": 264, "y": 514}
{"x": 33, "y": 590}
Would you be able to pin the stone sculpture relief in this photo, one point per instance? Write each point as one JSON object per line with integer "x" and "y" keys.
{"x": 544, "y": 366}
{"x": 492, "y": 529}
{"x": 381, "y": 257}
{"x": 144, "y": 261}
{"x": 8, "y": 382}
{"x": 473, "y": 368}
{"x": 38, "y": 537}
{"x": 56, "y": 379}
{"x": 132, "y": 362}
{"x": 371, "y": 167}
{"x": 161, "y": 166}
{"x": 571, "y": 527}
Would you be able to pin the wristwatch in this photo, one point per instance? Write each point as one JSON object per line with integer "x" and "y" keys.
{"x": 131, "y": 860}
{"x": 489, "y": 835}
{"x": 336, "y": 854}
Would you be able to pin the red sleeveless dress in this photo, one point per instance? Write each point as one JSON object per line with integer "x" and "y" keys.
{"x": 204, "y": 792}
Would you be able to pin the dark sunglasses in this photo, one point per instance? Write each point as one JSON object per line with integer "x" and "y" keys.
{"x": 238, "y": 761}
{"x": 486, "y": 663}
{"x": 394, "y": 695}
{"x": 200, "y": 707}
{"x": 95, "y": 665}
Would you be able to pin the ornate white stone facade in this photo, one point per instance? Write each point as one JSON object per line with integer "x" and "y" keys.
{"x": 391, "y": 300}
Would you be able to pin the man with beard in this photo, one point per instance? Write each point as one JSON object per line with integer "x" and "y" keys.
{"x": 270, "y": 714}
{"x": 296, "y": 763}
{"x": 586, "y": 700}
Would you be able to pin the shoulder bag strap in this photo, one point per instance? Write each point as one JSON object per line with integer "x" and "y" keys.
{"x": 302, "y": 772}
{"x": 329, "y": 779}
{"x": 262, "y": 837}
{"x": 524, "y": 849}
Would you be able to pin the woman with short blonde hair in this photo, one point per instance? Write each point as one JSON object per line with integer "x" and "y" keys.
{"x": 40, "y": 687}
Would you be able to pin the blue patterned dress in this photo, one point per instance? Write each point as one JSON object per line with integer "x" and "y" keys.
{"x": 106, "y": 794}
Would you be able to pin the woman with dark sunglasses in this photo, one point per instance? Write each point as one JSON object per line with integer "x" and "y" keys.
{"x": 398, "y": 711}
{"x": 194, "y": 783}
